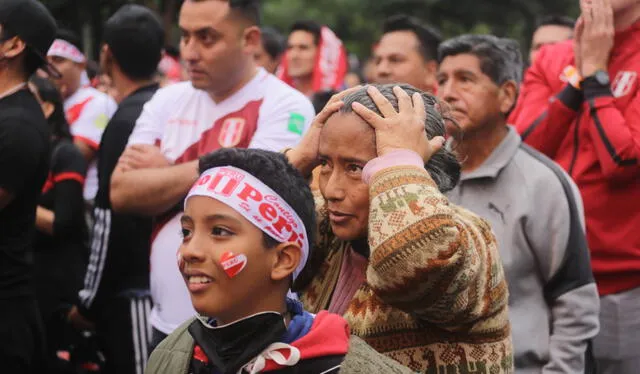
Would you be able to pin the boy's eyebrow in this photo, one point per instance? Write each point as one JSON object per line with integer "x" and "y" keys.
{"x": 216, "y": 217}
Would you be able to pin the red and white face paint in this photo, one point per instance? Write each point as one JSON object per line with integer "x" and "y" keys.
{"x": 256, "y": 202}
{"x": 64, "y": 49}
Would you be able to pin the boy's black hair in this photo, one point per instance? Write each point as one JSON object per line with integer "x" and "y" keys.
{"x": 274, "y": 170}
{"x": 135, "y": 37}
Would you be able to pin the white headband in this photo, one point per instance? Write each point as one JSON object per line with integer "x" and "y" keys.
{"x": 256, "y": 202}
{"x": 62, "y": 48}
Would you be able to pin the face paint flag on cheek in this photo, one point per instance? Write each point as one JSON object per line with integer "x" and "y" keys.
{"x": 232, "y": 263}
{"x": 256, "y": 202}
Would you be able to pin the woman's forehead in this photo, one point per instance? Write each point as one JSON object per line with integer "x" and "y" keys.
{"x": 347, "y": 130}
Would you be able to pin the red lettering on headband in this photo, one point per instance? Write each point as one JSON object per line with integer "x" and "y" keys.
{"x": 250, "y": 192}
{"x": 281, "y": 224}
{"x": 224, "y": 184}
{"x": 268, "y": 212}
{"x": 202, "y": 181}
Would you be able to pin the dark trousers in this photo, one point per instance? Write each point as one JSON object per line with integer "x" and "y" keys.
{"x": 21, "y": 337}
{"x": 125, "y": 333}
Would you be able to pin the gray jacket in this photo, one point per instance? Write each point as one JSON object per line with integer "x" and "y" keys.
{"x": 535, "y": 211}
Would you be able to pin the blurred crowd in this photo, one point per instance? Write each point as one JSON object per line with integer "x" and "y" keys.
{"x": 251, "y": 201}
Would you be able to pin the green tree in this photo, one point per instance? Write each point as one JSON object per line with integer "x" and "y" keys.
{"x": 357, "y": 22}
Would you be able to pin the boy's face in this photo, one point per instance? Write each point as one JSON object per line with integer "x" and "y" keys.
{"x": 212, "y": 231}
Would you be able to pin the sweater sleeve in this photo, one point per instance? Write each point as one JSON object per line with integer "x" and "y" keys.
{"x": 431, "y": 258}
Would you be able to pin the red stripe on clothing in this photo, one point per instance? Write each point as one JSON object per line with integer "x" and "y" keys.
{"x": 92, "y": 144}
{"x": 68, "y": 176}
{"x": 75, "y": 111}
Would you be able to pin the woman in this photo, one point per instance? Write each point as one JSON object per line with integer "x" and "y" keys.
{"x": 416, "y": 277}
{"x": 60, "y": 251}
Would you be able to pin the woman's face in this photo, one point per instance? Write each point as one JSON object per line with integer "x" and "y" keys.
{"x": 212, "y": 232}
{"x": 347, "y": 143}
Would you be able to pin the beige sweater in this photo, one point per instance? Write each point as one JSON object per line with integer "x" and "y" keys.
{"x": 435, "y": 296}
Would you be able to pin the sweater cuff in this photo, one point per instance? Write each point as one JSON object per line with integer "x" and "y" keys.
{"x": 571, "y": 97}
{"x": 394, "y": 158}
{"x": 593, "y": 89}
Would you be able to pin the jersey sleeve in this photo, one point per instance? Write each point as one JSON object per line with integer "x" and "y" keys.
{"x": 20, "y": 154}
{"x": 282, "y": 122}
{"x": 91, "y": 122}
{"x": 149, "y": 127}
{"x": 69, "y": 169}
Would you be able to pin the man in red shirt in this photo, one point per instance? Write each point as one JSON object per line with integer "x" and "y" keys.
{"x": 582, "y": 108}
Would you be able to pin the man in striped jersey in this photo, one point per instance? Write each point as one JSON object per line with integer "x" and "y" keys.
{"x": 116, "y": 296}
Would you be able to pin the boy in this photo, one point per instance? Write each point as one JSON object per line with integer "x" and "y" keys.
{"x": 247, "y": 228}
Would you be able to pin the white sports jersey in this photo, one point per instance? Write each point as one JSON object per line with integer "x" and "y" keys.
{"x": 88, "y": 112}
{"x": 186, "y": 123}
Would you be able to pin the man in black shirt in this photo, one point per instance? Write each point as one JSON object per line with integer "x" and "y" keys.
{"x": 115, "y": 296}
{"x": 26, "y": 32}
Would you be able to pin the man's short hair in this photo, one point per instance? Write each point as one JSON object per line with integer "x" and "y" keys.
{"x": 309, "y": 26}
{"x": 249, "y": 10}
{"x": 555, "y": 20}
{"x": 274, "y": 170}
{"x": 500, "y": 58}
{"x": 428, "y": 37}
{"x": 273, "y": 42}
{"x": 70, "y": 37}
{"x": 135, "y": 37}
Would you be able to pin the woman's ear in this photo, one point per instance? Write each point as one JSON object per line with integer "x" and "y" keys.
{"x": 47, "y": 109}
{"x": 287, "y": 258}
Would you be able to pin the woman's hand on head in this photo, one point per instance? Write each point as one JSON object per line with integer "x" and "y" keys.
{"x": 399, "y": 130}
{"x": 304, "y": 156}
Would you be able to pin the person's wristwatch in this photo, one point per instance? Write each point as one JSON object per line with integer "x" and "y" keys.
{"x": 601, "y": 77}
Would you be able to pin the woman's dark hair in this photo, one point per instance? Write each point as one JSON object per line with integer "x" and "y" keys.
{"x": 443, "y": 167}
{"x": 47, "y": 92}
{"x": 275, "y": 171}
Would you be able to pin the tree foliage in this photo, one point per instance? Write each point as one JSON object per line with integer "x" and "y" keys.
{"x": 357, "y": 22}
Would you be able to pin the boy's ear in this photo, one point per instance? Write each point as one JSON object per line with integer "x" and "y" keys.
{"x": 288, "y": 256}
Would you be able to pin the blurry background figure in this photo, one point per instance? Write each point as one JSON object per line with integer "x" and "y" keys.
{"x": 550, "y": 30}
{"x": 407, "y": 53}
{"x": 315, "y": 59}
{"x": 352, "y": 79}
{"x": 104, "y": 84}
{"x": 61, "y": 233}
{"x": 170, "y": 69}
{"x": 369, "y": 70}
{"x": 87, "y": 110}
{"x": 91, "y": 74}
{"x": 272, "y": 49}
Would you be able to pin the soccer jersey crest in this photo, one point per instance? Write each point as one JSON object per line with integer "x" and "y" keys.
{"x": 231, "y": 132}
{"x": 623, "y": 83}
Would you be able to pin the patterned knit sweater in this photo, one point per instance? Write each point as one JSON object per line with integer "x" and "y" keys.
{"x": 435, "y": 296}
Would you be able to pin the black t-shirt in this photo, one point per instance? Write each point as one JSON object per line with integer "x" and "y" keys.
{"x": 120, "y": 242}
{"x": 24, "y": 165}
{"x": 60, "y": 259}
